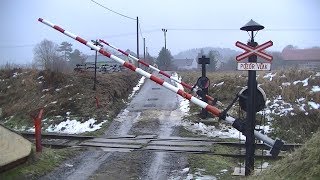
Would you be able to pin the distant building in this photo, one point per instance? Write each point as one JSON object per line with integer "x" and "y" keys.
{"x": 308, "y": 58}
{"x": 185, "y": 64}
{"x": 104, "y": 59}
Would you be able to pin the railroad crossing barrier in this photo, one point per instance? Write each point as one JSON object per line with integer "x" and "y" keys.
{"x": 192, "y": 88}
{"x": 236, "y": 123}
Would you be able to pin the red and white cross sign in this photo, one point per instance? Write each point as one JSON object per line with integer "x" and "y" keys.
{"x": 254, "y": 50}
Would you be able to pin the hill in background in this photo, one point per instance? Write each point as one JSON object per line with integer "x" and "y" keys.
{"x": 226, "y": 53}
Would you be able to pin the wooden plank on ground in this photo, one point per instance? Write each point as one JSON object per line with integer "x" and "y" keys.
{"x": 181, "y": 143}
{"x": 175, "y": 148}
{"x": 114, "y": 145}
{"x": 119, "y": 141}
{"x": 183, "y": 138}
{"x": 148, "y": 136}
{"x": 126, "y": 150}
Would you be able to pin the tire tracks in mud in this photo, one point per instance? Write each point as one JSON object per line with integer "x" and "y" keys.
{"x": 161, "y": 119}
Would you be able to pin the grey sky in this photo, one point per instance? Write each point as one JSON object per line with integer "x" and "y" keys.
{"x": 20, "y": 30}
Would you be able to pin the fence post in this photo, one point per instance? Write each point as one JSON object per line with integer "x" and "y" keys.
{"x": 37, "y": 125}
{"x": 97, "y": 102}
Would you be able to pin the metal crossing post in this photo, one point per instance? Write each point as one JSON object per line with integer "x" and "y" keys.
{"x": 251, "y": 114}
{"x": 204, "y": 84}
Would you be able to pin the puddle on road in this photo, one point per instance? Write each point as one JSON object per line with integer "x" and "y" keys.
{"x": 153, "y": 99}
{"x": 149, "y": 105}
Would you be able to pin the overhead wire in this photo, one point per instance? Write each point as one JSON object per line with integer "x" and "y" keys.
{"x": 114, "y": 11}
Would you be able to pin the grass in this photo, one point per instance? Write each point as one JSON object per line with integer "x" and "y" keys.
{"x": 297, "y": 128}
{"x": 38, "y": 165}
{"x": 304, "y": 163}
{"x": 22, "y": 95}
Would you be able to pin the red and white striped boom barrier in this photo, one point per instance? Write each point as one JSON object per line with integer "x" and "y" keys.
{"x": 154, "y": 68}
{"x": 275, "y": 145}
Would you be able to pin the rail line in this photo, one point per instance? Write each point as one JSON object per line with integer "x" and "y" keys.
{"x": 154, "y": 143}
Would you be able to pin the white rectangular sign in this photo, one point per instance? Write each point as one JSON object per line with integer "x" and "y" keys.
{"x": 254, "y": 66}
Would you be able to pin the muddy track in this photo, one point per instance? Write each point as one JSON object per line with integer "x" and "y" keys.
{"x": 154, "y": 110}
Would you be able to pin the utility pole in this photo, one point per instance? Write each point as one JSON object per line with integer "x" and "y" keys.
{"x": 165, "y": 38}
{"x": 138, "y": 39}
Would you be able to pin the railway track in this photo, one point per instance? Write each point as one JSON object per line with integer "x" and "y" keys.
{"x": 156, "y": 143}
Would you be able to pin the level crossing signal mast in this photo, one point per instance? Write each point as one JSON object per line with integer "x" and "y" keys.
{"x": 236, "y": 123}
{"x": 252, "y": 50}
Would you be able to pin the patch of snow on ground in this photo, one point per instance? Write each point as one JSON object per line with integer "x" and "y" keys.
{"x": 184, "y": 104}
{"x": 212, "y": 131}
{"x": 75, "y": 127}
{"x": 199, "y": 174}
{"x": 314, "y": 105}
{"x": 279, "y": 107}
{"x": 318, "y": 74}
{"x": 315, "y": 89}
{"x": 286, "y": 84}
{"x": 16, "y": 74}
{"x": 137, "y": 87}
{"x": 40, "y": 77}
{"x": 304, "y": 82}
{"x": 219, "y": 84}
{"x": 68, "y": 85}
{"x": 270, "y": 76}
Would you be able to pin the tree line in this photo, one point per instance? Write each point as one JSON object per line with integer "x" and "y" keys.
{"x": 51, "y": 56}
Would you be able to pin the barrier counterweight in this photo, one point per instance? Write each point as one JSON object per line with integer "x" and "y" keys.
{"x": 212, "y": 109}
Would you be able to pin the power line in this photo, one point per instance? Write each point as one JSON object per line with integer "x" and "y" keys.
{"x": 114, "y": 11}
{"x": 131, "y": 33}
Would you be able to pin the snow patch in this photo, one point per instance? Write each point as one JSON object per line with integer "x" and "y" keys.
{"x": 40, "y": 77}
{"x": 68, "y": 85}
{"x": 314, "y": 105}
{"x": 315, "y": 89}
{"x": 270, "y": 76}
{"x": 286, "y": 84}
{"x": 279, "y": 107}
{"x": 219, "y": 84}
{"x": 304, "y": 82}
{"x": 212, "y": 131}
{"x": 184, "y": 104}
{"x": 16, "y": 74}
{"x": 75, "y": 127}
{"x": 137, "y": 87}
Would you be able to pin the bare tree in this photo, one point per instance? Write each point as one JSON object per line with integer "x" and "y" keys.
{"x": 45, "y": 54}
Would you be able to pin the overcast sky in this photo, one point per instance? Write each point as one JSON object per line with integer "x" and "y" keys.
{"x": 295, "y": 22}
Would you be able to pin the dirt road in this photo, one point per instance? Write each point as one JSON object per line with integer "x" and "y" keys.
{"x": 153, "y": 111}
